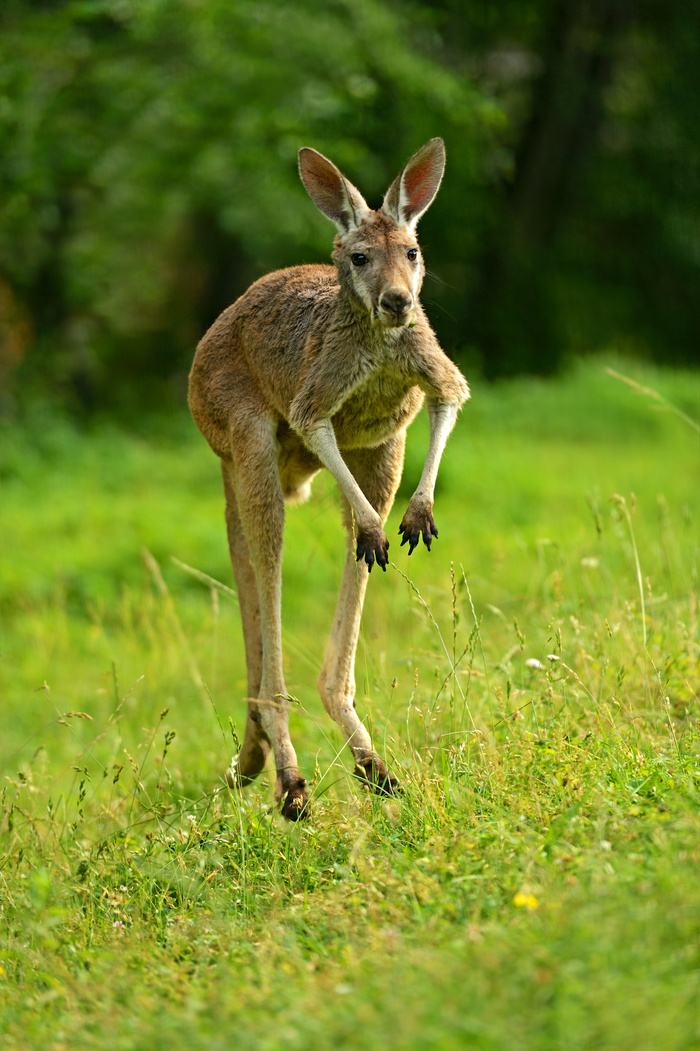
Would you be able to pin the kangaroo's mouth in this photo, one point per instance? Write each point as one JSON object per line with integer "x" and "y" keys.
{"x": 394, "y": 321}
{"x": 394, "y": 313}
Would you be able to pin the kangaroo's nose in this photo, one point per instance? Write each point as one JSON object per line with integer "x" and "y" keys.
{"x": 395, "y": 301}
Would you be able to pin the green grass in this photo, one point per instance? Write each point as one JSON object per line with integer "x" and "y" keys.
{"x": 535, "y": 887}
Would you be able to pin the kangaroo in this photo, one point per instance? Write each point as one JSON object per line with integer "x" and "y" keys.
{"x": 325, "y": 366}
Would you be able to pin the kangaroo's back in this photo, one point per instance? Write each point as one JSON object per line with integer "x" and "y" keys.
{"x": 258, "y": 348}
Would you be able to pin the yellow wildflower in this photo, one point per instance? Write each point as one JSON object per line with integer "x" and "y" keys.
{"x": 525, "y": 901}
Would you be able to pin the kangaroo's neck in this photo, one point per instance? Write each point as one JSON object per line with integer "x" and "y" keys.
{"x": 352, "y": 315}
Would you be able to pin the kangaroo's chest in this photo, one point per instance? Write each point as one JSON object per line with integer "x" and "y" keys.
{"x": 383, "y": 405}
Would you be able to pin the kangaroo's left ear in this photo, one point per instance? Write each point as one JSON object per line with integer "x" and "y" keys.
{"x": 331, "y": 192}
{"x": 413, "y": 191}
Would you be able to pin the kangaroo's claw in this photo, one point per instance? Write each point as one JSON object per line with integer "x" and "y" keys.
{"x": 373, "y": 547}
{"x": 417, "y": 524}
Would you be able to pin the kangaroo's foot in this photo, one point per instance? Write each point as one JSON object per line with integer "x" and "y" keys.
{"x": 372, "y": 772}
{"x": 291, "y": 795}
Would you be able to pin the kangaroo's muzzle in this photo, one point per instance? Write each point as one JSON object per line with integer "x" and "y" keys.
{"x": 395, "y": 307}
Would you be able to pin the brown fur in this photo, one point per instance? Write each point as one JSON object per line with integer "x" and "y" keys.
{"x": 324, "y": 366}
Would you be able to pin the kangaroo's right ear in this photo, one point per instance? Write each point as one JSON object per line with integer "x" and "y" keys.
{"x": 330, "y": 191}
{"x": 413, "y": 191}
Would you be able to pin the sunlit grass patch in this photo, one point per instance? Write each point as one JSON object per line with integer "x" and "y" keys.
{"x": 533, "y": 682}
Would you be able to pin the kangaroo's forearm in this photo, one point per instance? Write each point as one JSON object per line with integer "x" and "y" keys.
{"x": 442, "y": 420}
{"x": 368, "y": 531}
{"x": 418, "y": 520}
{"x": 320, "y": 438}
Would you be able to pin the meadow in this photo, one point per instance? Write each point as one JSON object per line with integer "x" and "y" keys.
{"x": 533, "y": 681}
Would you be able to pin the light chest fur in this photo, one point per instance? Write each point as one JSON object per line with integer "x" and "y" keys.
{"x": 382, "y": 405}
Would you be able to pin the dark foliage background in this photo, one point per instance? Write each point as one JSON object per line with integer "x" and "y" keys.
{"x": 148, "y": 174}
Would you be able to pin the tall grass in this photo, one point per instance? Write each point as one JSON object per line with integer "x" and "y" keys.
{"x": 533, "y": 682}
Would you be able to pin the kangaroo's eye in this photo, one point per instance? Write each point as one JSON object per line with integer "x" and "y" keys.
{"x": 358, "y": 259}
{"x": 412, "y": 254}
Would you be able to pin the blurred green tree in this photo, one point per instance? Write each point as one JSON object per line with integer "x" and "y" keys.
{"x": 592, "y": 238}
{"x": 149, "y": 168}
{"x": 148, "y": 172}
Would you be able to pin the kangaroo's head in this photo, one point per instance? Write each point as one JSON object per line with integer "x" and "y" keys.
{"x": 376, "y": 252}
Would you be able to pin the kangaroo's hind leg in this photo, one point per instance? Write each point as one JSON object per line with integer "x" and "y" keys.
{"x": 255, "y": 517}
{"x": 377, "y": 472}
{"x": 256, "y": 745}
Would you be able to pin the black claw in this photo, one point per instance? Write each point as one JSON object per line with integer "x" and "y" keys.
{"x": 412, "y": 538}
{"x": 372, "y": 553}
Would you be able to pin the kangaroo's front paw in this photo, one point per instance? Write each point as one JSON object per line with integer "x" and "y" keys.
{"x": 295, "y": 805}
{"x": 372, "y": 545}
{"x": 417, "y": 522}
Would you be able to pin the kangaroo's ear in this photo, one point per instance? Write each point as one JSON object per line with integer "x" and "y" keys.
{"x": 413, "y": 191}
{"x": 330, "y": 191}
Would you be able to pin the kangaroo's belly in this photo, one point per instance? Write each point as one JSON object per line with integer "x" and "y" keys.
{"x": 365, "y": 421}
{"x": 375, "y": 413}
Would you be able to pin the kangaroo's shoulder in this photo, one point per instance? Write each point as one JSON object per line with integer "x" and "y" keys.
{"x": 295, "y": 282}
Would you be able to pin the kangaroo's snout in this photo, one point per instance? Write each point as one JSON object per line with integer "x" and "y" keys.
{"x": 396, "y": 306}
